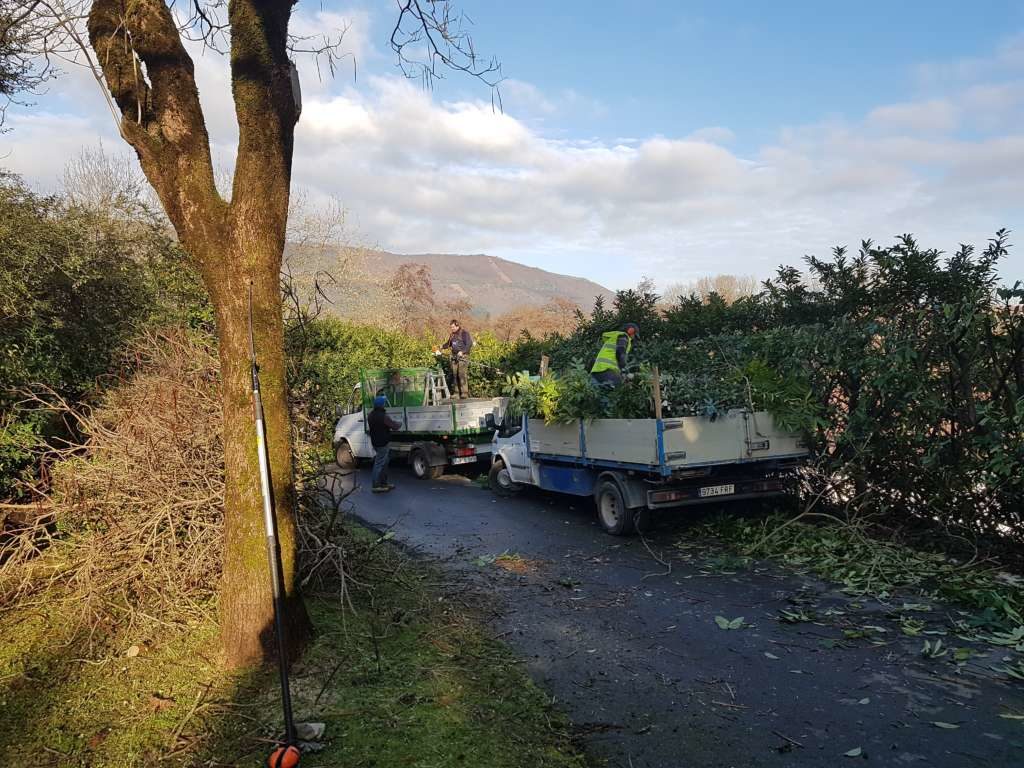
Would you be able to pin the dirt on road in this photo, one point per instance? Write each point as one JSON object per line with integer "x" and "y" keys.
{"x": 694, "y": 668}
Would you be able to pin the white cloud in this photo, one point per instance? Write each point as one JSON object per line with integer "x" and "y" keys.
{"x": 1008, "y": 57}
{"x": 424, "y": 174}
{"x": 716, "y": 134}
{"x": 931, "y": 116}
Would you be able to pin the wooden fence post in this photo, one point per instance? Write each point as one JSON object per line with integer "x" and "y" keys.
{"x": 656, "y": 386}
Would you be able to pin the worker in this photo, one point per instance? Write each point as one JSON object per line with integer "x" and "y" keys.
{"x": 611, "y": 358}
{"x": 461, "y": 344}
{"x": 380, "y": 426}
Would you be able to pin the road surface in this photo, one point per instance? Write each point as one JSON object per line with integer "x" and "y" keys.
{"x": 648, "y": 677}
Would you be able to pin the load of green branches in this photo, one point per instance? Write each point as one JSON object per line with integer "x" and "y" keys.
{"x": 702, "y": 384}
{"x": 562, "y": 398}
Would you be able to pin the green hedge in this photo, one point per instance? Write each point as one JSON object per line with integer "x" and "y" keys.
{"x": 77, "y": 284}
{"x": 903, "y": 366}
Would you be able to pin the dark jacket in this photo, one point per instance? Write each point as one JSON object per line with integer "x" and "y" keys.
{"x": 621, "y": 349}
{"x": 459, "y": 342}
{"x": 380, "y": 426}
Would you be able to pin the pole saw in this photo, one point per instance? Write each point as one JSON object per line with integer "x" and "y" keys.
{"x": 288, "y": 755}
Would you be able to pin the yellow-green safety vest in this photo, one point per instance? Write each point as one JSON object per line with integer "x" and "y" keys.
{"x": 606, "y": 359}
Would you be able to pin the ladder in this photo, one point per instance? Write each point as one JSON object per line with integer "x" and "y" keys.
{"x": 437, "y": 387}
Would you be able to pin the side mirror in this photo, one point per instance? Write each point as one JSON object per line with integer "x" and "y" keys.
{"x": 489, "y": 422}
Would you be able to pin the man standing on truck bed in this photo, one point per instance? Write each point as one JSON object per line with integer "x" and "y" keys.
{"x": 380, "y": 426}
{"x": 611, "y": 358}
{"x": 460, "y": 343}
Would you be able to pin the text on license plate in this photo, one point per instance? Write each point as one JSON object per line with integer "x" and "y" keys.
{"x": 463, "y": 459}
{"x": 717, "y": 490}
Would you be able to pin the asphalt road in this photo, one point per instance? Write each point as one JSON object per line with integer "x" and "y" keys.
{"x": 648, "y": 678}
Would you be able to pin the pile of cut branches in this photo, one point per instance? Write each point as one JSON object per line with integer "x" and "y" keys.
{"x": 132, "y": 515}
{"x": 137, "y": 502}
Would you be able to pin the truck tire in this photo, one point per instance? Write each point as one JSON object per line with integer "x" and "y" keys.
{"x": 344, "y": 456}
{"x": 420, "y": 463}
{"x": 612, "y": 513}
{"x": 500, "y": 482}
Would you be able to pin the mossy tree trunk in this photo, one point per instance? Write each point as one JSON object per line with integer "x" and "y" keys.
{"x": 234, "y": 243}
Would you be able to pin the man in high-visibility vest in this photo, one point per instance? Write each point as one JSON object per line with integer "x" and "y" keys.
{"x": 611, "y": 358}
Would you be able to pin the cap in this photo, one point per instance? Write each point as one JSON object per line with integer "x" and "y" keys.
{"x": 380, "y": 401}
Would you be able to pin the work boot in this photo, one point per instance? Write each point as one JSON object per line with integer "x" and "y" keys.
{"x": 379, "y": 489}
{"x": 388, "y": 487}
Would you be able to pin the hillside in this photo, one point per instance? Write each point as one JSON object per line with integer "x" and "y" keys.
{"x": 492, "y": 285}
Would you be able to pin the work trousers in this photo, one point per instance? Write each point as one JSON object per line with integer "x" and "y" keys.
{"x": 460, "y": 369}
{"x": 610, "y": 377}
{"x": 380, "y": 466}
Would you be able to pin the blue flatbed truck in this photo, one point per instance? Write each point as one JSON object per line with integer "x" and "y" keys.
{"x": 632, "y": 466}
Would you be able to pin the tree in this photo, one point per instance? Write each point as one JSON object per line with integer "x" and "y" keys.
{"x": 558, "y": 315}
{"x": 729, "y": 287}
{"x": 21, "y": 70}
{"x": 105, "y": 183}
{"x": 412, "y": 286}
{"x": 137, "y": 52}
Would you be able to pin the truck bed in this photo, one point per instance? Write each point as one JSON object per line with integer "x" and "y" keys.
{"x": 456, "y": 417}
{"x": 666, "y": 445}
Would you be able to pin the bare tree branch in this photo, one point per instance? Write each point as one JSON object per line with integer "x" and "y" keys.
{"x": 428, "y": 33}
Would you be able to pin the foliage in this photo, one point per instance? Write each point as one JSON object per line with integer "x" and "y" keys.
{"x": 562, "y": 398}
{"x": 902, "y": 367}
{"x": 78, "y": 283}
{"x": 136, "y": 508}
{"x": 326, "y": 355}
{"x": 868, "y": 562}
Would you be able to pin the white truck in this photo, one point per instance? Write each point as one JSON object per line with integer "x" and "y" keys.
{"x": 437, "y": 432}
{"x": 632, "y": 466}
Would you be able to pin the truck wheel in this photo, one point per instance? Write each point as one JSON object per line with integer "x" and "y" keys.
{"x": 501, "y": 482}
{"x": 421, "y": 466}
{"x": 344, "y": 456}
{"x": 612, "y": 513}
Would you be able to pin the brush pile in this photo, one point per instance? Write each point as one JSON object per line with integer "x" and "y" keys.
{"x": 137, "y": 501}
{"x": 134, "y": 522}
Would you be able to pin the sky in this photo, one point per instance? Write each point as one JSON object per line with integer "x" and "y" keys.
{"x": 668, "y": 140}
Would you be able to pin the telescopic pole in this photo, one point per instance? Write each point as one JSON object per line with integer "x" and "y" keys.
{"x": 273, "y": 548}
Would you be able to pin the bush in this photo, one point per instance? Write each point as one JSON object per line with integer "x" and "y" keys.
{"x": 326, "y": 355}
{"x": 901, "y": 366}
{"x": 77, "y": 285}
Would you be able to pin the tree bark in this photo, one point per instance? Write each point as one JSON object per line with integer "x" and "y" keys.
{"x": 245, "y": 599}
{"x": 235, "y": 244}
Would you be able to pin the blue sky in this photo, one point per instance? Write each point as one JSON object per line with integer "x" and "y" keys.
{"x": 669, "y": 140}
{"x": 674, "y": 67}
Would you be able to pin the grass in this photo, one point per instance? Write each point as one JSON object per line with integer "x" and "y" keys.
{"x": 408, "y": 679}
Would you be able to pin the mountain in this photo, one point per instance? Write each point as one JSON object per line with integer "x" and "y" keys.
{"x": 492, "y": 285}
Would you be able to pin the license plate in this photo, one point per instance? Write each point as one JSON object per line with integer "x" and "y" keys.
{"x": 717, "y": 490}
{"x": 463, "y": 459}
